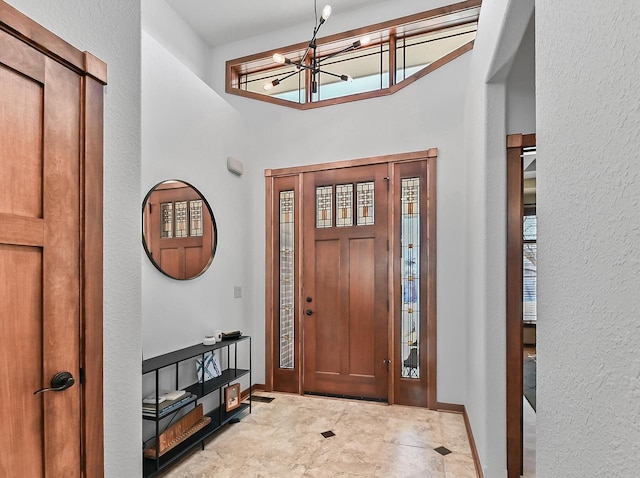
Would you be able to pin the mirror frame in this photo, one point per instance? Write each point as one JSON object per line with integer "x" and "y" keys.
{"x": 214, "y": 228}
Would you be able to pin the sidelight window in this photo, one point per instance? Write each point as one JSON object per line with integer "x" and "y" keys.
{"x": 410, "y": 277}
{"x": 287, "y": 279}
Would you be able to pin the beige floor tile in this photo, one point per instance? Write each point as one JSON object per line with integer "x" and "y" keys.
{"x": 459, "y": 466}
{"x": 283, "y": 439}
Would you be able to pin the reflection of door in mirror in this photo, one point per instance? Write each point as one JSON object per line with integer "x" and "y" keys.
{"x": 178, "y": 230}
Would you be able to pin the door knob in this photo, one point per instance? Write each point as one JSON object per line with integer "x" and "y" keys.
{"x": 60, "y": 381}
{"x": 309, "y": 312}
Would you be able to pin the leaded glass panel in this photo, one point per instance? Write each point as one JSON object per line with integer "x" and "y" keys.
{"x": 181, "y": 218}
{"x": 324, "y": 206}
{"x": 195, "y": 218}
{"x": 365, "y": 193}
{"x": 287, "y": 285}
{"x": 410, "y": 277}
{"x": 166, "y": 220}
{"x": 344, "y": 205}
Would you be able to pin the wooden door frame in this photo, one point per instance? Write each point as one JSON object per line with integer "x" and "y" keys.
{"x": 93, "y": 77}
{"x": 294, "y": 175}
{"x": 514, "y": 283}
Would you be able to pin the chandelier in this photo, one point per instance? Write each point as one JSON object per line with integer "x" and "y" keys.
{"x": 310, "y": 61}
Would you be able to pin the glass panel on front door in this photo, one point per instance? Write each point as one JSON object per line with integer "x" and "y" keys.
{"x": 324, "y": 206}
{"x": 344, "y": 205}
{"x": 366, "y": 193}
{"x": 363, "y": 209}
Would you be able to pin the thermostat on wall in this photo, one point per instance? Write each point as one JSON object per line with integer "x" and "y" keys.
{"x": 235, "y": 165}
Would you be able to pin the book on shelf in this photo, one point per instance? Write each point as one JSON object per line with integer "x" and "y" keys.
{"x": 171, "y": 395}
{"x": 149, "y": 409}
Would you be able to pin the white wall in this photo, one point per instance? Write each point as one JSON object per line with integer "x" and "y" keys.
{"x": 588, "y": 120}
{"x": 111, "y": 30}
{"x": 187, "y": 133}
{"x": 521, "y": 86}
{"x": 427, "y": 114}
{"x": 161, "y": 22}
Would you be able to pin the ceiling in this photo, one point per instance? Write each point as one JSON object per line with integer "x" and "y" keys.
{"x": 219, "y": 22}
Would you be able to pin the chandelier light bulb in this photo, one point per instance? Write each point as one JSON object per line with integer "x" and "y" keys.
{"x": 279, "y": 58}
{"x": 349, "y": 78}
{"x": 365, "y": 40}
{"x": 326, "y": 12}
{"x": 271, "y": 84}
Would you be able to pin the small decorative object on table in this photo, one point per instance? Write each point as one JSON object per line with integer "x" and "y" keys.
{"x": 211, "y": 367}
{"x": 231, "y": 335}
{"x": 232, "y": 397}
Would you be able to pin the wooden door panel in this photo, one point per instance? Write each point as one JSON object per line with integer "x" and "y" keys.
{"x": 170, "y": 260}
{"x": 326, "y": 318}
{"x": 21, "y": 413}
{"x": 361, "y": 307}
{"x": 40, "y": 151}
{"x": 345, "y": 340}
{"x": 21, "y": 103}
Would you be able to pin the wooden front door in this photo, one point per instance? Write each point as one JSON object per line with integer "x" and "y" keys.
{"x": 345, "y": 271}
{"x": 50, "y": 273}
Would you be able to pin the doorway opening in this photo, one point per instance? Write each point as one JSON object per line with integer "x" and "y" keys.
{"x": 521, "y": 285}
{"x": 351, "y": 269}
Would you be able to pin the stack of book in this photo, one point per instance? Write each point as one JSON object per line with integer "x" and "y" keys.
{"x": 166, "y": 403}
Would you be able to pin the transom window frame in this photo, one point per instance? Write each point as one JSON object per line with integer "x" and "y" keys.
{"x": 388, "y": 33}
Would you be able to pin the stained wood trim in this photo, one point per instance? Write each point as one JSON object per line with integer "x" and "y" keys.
{"x": 22, "y": 230}
{"x": 284, "y": 380}
{"x": 389, "y": 158}
{"x": 95, "y": 67}
{"x": 22, "y": 58}
{"x": 32, "y": 33}
{"x": 270, "y": 263}
{"x": 456, "y": 408}
{"x": 422, "y": 391}
{"x": 41, "y": 39}
{"x": 308, "y": 104}
{"x": 387, "y": 28}
{"x": 432, "y": 273}
{"x": 521, "y": 140}
{"x": 514, "y": 283}
{"x": 91, "y": 280}
{"x": 429, "y": 157}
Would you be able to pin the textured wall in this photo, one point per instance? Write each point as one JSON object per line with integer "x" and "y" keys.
{"x": 429, "y": 113}
{"x": 111, "y": 30}
{"x": 521, "y": 86}
{"x": 588, "y": 64}
{"x": 187, "y": 134}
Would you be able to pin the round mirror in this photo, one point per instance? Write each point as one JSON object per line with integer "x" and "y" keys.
{"x": 178, "y": 230}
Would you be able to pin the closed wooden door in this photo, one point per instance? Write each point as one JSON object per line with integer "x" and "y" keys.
{"x": 43, "y": 249}
{"x": 345, "y": 270}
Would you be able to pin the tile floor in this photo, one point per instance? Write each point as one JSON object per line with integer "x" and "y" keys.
{"x": 284, "y": 439}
